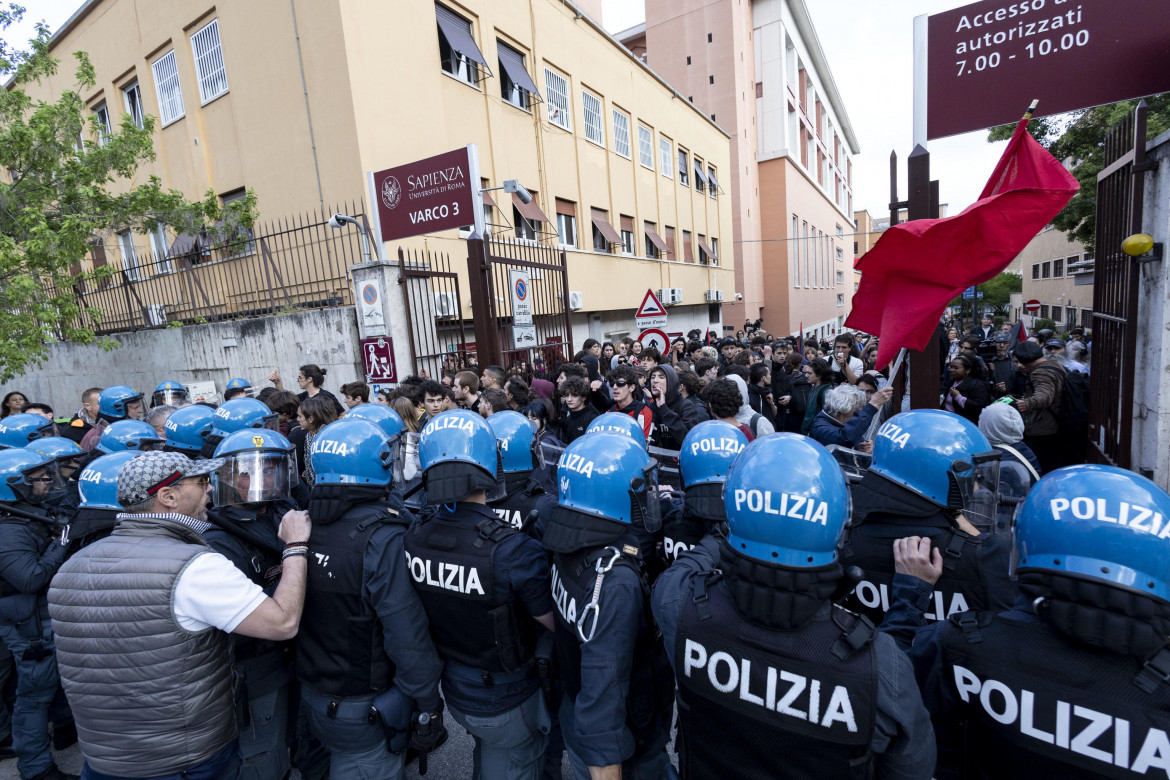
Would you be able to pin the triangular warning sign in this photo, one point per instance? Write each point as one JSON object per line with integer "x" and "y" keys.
{"x": 651, "y": 306}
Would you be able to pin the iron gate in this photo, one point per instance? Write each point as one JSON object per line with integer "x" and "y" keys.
{"x": 1115, "y": 291}
{"x": 434, "y": 313}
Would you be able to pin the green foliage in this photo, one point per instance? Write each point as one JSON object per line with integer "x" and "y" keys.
{"x": 997, "y": 292}
{"x": 1079, "y": 137}
{"x": 66, "y": 183}
{"x": 1042, "y": 323}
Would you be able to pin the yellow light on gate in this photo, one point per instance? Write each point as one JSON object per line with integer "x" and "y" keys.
{"x": 1138, "y": 244}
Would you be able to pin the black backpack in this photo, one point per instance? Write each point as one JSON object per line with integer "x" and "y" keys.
{"x": 1073, "y": 412}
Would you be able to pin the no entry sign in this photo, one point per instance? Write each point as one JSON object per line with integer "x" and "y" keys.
{"x": 426, "y": 196}
{"x": 1032, "y": 306}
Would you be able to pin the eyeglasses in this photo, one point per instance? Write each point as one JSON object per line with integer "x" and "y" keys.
{"x": 619, "y": 383}
{"x": 202, "y": 480}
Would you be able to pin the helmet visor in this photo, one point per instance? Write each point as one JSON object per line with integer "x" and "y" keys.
{"x": 410, "y": 465}
{"x": 547, "y": 453}
{"x": 976, "y": 483}
{"x": 668, "y": 472}
{"x": 645, "y": 498}
{"x": 69, "y": 466}
{"x": 175, "y": 397}
{"x": 254, "y": 478}
{"x": 499, "y": 490}
{"x": 272, "y": 423}
{"x": 853, "y": 463}
{"x": 40, "y": 483}
{"x": 145, "y": 445}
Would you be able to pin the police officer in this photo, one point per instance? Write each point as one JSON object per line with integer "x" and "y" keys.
{"x": 770, "y": 672}
{"x": 621, "y": 424}
{"x": 30, "y": 553}
{"x": 485, "y": 587}
{"x": 186, "y": 430}
{"x": 237, "y": 388}
{"x": 933, "y": 474}
{"x": 1005, "y": 380}
{"x": 707, "y": 453}
{"x": 69, "y": 458}
{"x": 98, "y": 507}
{"x": 617, "y": 707}
{"x": 528, "y": 480}
{"x": 364, "y": 653}
{"x": 118, "y": 402}
{"x": 236, "y": 415}
{"x": 1071, "y": 682}
{"x": 252, "y": 492}
{"x": 18, "y": 430}
{"x": 169, "y": 393}
{"x": 128, "y": 435}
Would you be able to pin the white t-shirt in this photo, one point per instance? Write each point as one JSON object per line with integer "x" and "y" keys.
{"x": 211, "y": 591}
{"x": 855, "y": 365}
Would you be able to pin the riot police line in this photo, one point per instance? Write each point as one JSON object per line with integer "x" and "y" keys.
{"x": 806, "y": 612}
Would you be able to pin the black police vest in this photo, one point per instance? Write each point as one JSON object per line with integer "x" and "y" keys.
{"x": 474, "y": 621}
{"x": 962, "y": 586}
{"x": 681, "y": 532}
{"x": 339, "y": 646}
{"x": 651, "y": 687}
{"x": 755, "y": 702}
{"x": 1047, "y": 707}
{"x": 254, "y": 538}
{"x": 515, "y": 507}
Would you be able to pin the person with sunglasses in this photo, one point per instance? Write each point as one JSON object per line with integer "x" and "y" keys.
{"x": 627, "y": 397}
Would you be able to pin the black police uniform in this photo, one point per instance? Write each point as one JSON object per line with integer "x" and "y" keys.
{"x": 525, "y": 492}
{"x": 247, "y": 536}
{"x": 625, "y": 653}
{"x": 682, "y": 529}
{"x": 363, "y": 630}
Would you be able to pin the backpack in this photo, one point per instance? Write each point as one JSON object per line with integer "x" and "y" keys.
{"x": 1072, "y": 414}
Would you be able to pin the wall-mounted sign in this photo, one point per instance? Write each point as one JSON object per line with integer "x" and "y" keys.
{"x": 427, "y": 196}
{"x": 378, "y": 360}
{"x": 370, "y": 307}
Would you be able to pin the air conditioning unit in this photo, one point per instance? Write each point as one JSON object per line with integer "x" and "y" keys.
{"x": 714, "y": 296}
{"x": 155, "y": 315}
{"x": 678, "y": 296}
{"x": 669, "y": 296}
{"x": 446, "y": 305}
{"x": 576, "y": 300}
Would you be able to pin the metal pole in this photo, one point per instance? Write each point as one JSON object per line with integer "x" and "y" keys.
{"x": 925, "y": 366}
{"x": 486, "y": 331}
{"x": 920, "y": 77}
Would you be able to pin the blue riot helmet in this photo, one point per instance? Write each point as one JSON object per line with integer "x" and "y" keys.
{"x": 26, "y": 476}
{"x": 607, "y": 476}
{"x": 379, "y": 414}
{"x": 169, "y": 393}
{"x": 706, "y": 455}
{"x": 352, "y": 452}
{"x": 17, "y": 430}
{"x": 516, "y": 435}
{"x": 66, "y": 452}
{"x": 259, "y": 465}
{"x": 98, "y": 483}
{"x": 120, "y": 402}
{"x": 239, "y": 383}
{"x": 236, "y": 415}
{"x": 1099, "y": 523}
{"x": 186, "y": 429}
{"x": 129, "y": 435}
{"x": 943, "y": 458}
{"x": 459, "y": 455}
{"x": 786, "y": 502}
{"x": 621, "y": 424}
{"x": 406, "y": 465}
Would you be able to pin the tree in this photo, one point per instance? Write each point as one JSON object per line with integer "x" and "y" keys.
{"x": 997, "y": 292}
{"x": 66, "y": 182}
{"x": 1079, "y": 137}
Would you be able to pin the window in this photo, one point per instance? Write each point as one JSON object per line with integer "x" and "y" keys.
{"x": 840, "y": 299}
{"x": 129, "y": 260}
{"x": 1071, "y": 317}
{"x": 651, "y": 237}
{"x": 1058, "y": 267}
{"x": 132, "y": 97}
{"x": 664, "y": 156}
{"x": 714, "y": 244}
{"x": 794, "y": 251}
{"x": 840, "y": 277}
{"x": 793, "y": 131}
{"x": 458, "y": 54}
{"x": 159, "y": 244}
{"x": 567, "y": 222}
{"x": 1057, "y": 311}
{"x": 840, "y": 254}
{"x": 166, "y": 87}
{"x": 556, "y": 90}
{"x": 704, "y": 258}
{"x": 1035, "y": 270}
{"x": 1044, "y": 310}
{"x": 840, "y": 232}
{"x": 628, "y": 245}
{"x": 603, "y": 233}
{"x": 209, "y": 67}
{"x": 688, "y": 250}
{"x": 712, "y": 182}
{"x": 1045, "y": 270}
{"x": 594, "y": 131}
{"x": 102, "y": 114}
{"x": 700, "y": 178}
{"x": 516, "y": 86}
{"x": 243, "y": 242}
{"x": 804, "y": 249}
{"x": 645, "y": 147}
{"x": 525, "y": 230}
{"x": 669, "y": 251}
{"x": 790, "y": 63}
{"x": 1086, "y": 317}
{"x": 684, "y": 178}
{"x": 621, "y": 133}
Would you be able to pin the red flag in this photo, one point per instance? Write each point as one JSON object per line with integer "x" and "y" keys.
{"x": 917, "y": 267}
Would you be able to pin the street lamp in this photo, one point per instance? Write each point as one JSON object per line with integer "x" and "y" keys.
{"x": 339, "y": 221}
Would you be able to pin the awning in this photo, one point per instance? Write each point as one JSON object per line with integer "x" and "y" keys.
{"x": 712, "y": 179}
{"x": 656, "y": 240}
{"x": 513, "y": 64}
{"x": 699, "y": 171}
{"x": 707, "y": 248}
{"x": 529, "y": 210}
{"x": 458, "y": 34}
{"x": 488, "y": 200}
{"x": 184, "y": 243}
{"x": 602, "y": 224}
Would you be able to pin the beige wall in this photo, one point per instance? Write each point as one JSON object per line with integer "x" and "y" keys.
{"x": 1056, "y": 293}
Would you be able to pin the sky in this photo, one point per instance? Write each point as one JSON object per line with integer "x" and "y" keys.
{"x": 868, "y": 47}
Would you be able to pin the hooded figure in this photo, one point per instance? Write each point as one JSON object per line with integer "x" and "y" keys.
{"x": 673, "y": 416}
{"x": 1019, "y": 470}
{"x": 756, "y": 422}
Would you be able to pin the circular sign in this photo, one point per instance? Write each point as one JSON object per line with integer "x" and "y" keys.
{"x": 370, "y": 294}
{"x": 391, "y": 192}
{"x": 1032, "y": 305}
{"x": 521, "y": 289}
{"x": 653, "y": 337}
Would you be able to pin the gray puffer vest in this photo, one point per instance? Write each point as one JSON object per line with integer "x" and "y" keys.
{"x": 149, "y": 697}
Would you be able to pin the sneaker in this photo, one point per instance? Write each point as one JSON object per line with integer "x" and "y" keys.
{"x": 64, "y": 736}
{"x": 54, "y": 773}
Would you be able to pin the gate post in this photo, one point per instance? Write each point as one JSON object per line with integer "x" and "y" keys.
{"x": 487, "y": 344}
{"x": 380, "y": 311}
{"x": 925, "y": 368}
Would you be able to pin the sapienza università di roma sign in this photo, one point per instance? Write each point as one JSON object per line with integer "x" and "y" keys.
{"x": 987, "y": 61}
{"x": 426, "y": 196}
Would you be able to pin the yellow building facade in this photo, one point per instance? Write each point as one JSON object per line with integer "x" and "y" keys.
{"x": 297, "y": 101}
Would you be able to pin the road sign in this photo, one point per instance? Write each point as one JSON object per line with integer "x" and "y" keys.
{"x": 1032, "y": 305}
{"x": 987, "y": 60}
{"x": 651, "y": 314}
{"x": 373, "y": 321}
{"x": 653, "y": 337}
{"x": 378, "y": 360}
{"x": 521, "y": 291}
{"x": 523, "y": 336}
{"x": 969, "y": 295}
{"x": 426, "y": 196}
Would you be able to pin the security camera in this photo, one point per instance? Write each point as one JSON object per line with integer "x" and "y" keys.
{"x": 514, "y": 186}
{"x": 339, "y": 221}
{"x": 739, "y": 296}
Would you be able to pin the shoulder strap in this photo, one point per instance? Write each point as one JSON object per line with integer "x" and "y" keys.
{"x": 699, "y": 586}
{"x": 952, "y": 549}
{"x": 492, "y": 530}
{"x": 1022, "y": 459}
{"x": 754, "y": 423}
{"x": 1155, "y": 671}
{"x": 857, "y": 632}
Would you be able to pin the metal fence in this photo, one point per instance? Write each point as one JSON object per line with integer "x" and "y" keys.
{"x": 293, "y": 263}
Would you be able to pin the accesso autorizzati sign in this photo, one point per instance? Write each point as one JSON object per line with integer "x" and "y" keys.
{"x": 426, "y": 196}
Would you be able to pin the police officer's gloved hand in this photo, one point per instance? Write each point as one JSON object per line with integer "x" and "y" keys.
{"x": 427, "y": 734}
